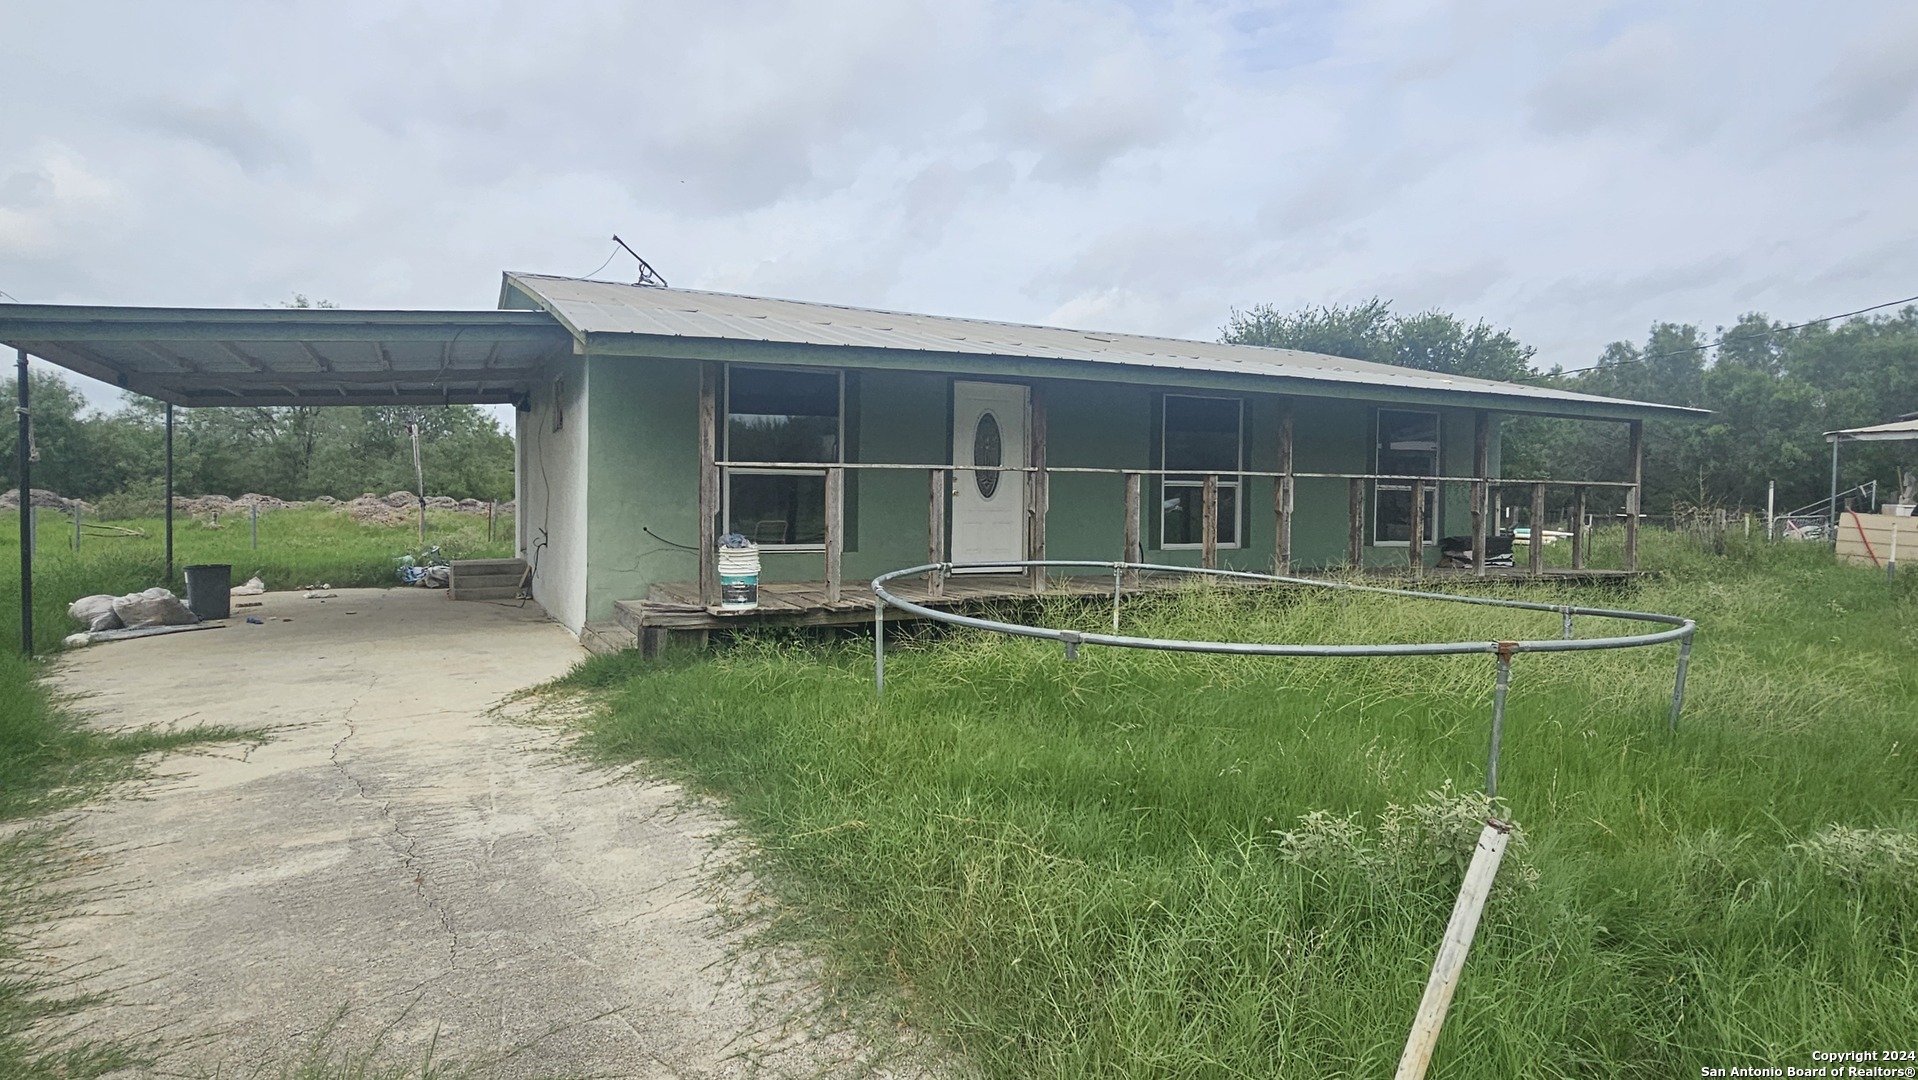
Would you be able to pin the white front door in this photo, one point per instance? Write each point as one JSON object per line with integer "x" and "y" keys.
{"x": 988, "y": 501}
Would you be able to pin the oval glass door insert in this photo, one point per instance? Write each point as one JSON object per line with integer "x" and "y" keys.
{"x": 987, "y": 454}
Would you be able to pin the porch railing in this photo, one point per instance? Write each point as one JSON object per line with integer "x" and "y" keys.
{"x": 1284, "y": 490}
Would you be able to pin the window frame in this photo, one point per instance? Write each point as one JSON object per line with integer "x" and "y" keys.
{"x": 726, "y": 447}
{"x": 1432, "y": 508}
{"x": 1234, "y": 481}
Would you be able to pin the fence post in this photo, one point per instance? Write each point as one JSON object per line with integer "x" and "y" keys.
{"x": 936, "y": 531}
{"x": 1535, "y": 559}
{"x": 1578, "y": 526}
{"x": 76, "y": 524}
{"x": 254, "y": 521}
{"x": 1415, "y": 543}
{"x": 1481, "y": 486}
{"x": 1678, "y": 683}
{"x": 1209, "y": 524}
{"x": 1634, "y": 494}
{"x": 708, "y": 482}
{"x": 1134, "y": 549}
{"x": 1039, "y": 492}
{"x": 835, "y": 530}
{"x": 1282, "y": 494}
{"x": 1450, "y": 964}
{"x": 1355, "y": 524}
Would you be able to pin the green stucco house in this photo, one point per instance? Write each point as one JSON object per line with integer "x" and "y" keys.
{"x": 849, "y": 442}
{"x": 880, "y": 440}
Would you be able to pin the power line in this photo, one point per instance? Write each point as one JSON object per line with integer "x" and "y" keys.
{"x": 1715, "y": 344}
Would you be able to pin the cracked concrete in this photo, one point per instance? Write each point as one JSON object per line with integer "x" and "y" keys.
{"x": 398, "y": 852}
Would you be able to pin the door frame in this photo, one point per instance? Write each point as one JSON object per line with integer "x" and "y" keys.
{"x": 949, "y": 518}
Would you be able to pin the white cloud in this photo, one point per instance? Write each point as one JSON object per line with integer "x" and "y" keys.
{"x": 1574, "y": 171}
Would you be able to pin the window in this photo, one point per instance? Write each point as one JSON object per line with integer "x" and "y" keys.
{"x": 1408, "y": 445}
{"x": 781, "y": 415}
{"x": 1202, "y": 434}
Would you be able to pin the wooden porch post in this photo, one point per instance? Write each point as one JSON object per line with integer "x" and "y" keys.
{"x": 708, "y": 481}
{"x": 1535, "y": 559}
{"x": 1415, "y": 544}
{"x": 1578, "y": 526}
{"x": 1209, "y": 526}
{"x": 936, "y": 530}
{"x": 1634, "y": 494}
{"x": 1355, "y": 525}
{"x": 1481, "y": 486}
{"x": 1134, "y": 550}
{"x": 1282, "y": 494}
{"x": 835, "y": 530}
{"x": 1036, "y": 491}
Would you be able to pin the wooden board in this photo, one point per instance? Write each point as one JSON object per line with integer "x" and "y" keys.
{"x": 1861, "y": 536}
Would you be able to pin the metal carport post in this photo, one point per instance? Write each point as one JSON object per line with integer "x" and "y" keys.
{"x": 25, "y": 460}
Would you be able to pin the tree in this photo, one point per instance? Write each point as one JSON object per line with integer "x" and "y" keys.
{"x": 1432, "y": 341}
{"x": 1772, "y": 392}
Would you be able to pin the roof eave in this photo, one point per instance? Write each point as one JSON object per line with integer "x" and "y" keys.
{"x": 625, "y": 344}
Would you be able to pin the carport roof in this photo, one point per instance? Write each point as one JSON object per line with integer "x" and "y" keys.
{"x": 297, "y": 356}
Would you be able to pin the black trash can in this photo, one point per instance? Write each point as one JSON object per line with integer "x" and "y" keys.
{"x": 209, "y": 590}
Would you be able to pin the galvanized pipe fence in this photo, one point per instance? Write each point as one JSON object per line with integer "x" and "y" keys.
{"x": 1681, "y": 630}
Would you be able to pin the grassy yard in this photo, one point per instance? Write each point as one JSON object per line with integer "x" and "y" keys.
{"x": 49, "y": 760}
{"x": 1140, "y": 864}
{"x": 297, "y": 547}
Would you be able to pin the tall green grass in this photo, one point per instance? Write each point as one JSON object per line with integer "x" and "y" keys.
{"x": 1142, "y": 864}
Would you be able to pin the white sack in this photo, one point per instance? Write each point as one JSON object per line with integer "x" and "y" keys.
{"x": 154, "y": 607}
{"x": 94, "y": 612}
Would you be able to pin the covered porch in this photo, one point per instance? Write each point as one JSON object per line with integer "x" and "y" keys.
{"x": 831, "y": 597}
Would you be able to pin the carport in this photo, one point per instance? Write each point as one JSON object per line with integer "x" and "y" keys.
{"x": 199, "y": 357}
{"x": 1903, "y": 430}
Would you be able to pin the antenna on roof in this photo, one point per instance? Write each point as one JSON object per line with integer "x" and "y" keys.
{"x": 647, "y": 275}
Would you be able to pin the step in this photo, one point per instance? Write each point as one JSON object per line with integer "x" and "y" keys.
{"x": 468, "y": 592}
{"x": 602, "y": 638}
{"x": 488, "y": 581}
{"x": 490, "y": 566}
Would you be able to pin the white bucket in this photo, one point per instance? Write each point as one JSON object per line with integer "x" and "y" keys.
{"x": 738, "y": 561}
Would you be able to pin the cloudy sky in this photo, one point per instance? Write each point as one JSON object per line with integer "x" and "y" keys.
{"x": 1573, "y": 170}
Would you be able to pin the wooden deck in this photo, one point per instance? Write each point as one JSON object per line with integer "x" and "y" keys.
{"x": 676, "y": 606}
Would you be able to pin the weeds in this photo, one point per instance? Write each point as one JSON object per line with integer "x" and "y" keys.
{"x": 1146, "y": 864}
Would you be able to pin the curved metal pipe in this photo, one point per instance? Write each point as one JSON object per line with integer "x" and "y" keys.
{"x": 1682, "y": 629}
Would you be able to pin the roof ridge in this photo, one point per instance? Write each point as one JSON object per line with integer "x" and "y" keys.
{"x": 1162, "y": 351}
{"x": 948, "y": 318}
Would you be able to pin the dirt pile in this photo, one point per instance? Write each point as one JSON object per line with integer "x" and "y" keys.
{"x": 47, "y": 500}
{"x": 394, "y": 508}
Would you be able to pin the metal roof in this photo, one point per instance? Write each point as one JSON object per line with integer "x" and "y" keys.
{"x": 598, "y": 312}
{"x": 303, "y": 356}
{"x": 1897, "y": 431}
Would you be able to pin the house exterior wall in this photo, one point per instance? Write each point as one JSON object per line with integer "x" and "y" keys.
{"x": 642, "y": 477}
{"x": 552, "y": 489}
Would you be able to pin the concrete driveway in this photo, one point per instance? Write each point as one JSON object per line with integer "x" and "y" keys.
{"x": 402, "y": 852}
